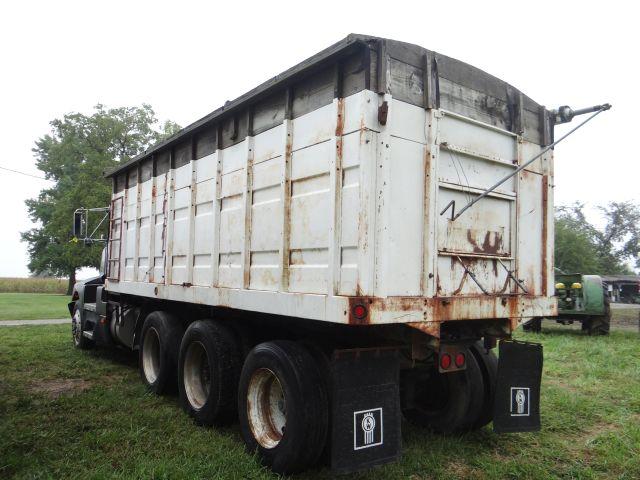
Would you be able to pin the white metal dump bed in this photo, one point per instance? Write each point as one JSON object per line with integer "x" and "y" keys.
{"x": 345, "y": 203}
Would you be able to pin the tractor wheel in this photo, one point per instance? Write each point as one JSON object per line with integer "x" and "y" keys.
{"x": 600, "y": 325}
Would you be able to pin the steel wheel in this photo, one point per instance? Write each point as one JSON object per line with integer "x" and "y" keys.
{"x": 266, "y": 408}
{"x": 197, "y": 375}
{"x": 283, "y": 406}
{"x": 151, "y": 355}
{"x": 208, "y": 372}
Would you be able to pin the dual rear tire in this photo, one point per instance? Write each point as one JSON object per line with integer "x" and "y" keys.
{"x": 277, "y": 393}
{"x": 158, "y": 353}
{"x": 452, "y": 402}
{"x": 283, "y": 406}
{"x": 208, "y": 372}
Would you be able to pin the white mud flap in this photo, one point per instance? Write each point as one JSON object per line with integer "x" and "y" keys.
{"x": 365, "y": 406}
{"x": 517, "y": 400}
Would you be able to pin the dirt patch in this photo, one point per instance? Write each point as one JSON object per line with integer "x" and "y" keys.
{"x": 625, "y": 315}
{"x": 58, "y": 387}
{"x": 462, "y": 470}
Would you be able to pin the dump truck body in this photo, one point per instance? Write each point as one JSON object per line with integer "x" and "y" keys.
{"x": 323, "y": 191}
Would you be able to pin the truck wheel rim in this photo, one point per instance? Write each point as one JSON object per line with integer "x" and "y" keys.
{"x": 197, "y": 375}
{"x": 76, "y": 330}
{"x": 151, "y": 355}
{"x": 266, "y": 408}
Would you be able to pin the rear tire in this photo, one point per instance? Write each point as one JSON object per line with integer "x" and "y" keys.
{"x": 446, "y": 402}
{"x": 158, "y": 352}
{"x": 283, "y": 406}
{"x": 533, "y": 325}
{"x": 488, "y": 363}
{"x": 208, "y": 373}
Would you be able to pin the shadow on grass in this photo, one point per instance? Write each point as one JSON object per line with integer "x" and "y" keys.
{"x": 116, "y": 355}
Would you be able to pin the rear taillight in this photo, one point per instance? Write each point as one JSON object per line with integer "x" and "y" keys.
{"x": 445, "y": 361}
{"x": 75, "y": 296}
{"x": 359, "y": 311}
{"x": 452, "y": 358}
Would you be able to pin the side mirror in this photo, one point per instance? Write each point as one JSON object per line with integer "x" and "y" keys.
{"x": 79, "y": 224}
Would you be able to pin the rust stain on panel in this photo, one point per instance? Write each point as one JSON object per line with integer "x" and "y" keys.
{"x": 491, "y": 244}
{"x": 376, "y": 304}
{"x": 430, "y": 328}
{"x": 445, "y": 309}
{"x": 340, "y": 120}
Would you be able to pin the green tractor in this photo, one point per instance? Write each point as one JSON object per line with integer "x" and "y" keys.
{"x": 581, "y": 298}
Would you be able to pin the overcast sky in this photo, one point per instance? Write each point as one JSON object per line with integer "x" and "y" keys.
{"x": 187, "y": 58}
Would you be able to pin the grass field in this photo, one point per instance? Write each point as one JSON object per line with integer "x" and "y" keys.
{"x": 33, "y": 285}
{"x": 31, "y": 306}
{"x": 66, "y": 413}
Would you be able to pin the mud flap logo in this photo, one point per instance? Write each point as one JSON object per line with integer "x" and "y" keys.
{"x": 520, "y": 397}
{"x": 367, "y": 428}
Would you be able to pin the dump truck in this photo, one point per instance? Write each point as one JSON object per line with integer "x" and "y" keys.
{"x": 340, "y": 247}
{"x": 581, "y": 298}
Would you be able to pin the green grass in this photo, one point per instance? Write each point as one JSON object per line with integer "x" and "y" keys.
{"x": 65, "y": 413}
{"x": 31, "y": 306}
{"x": 33, "y": 285}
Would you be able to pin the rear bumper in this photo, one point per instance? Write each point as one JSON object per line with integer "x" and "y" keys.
{"x": 427, "y": 314}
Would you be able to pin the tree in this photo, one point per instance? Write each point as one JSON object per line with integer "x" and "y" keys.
{"x": 581, "y": 247}
{"x": 621, "y": 236}
{"x": 75, "y": 155}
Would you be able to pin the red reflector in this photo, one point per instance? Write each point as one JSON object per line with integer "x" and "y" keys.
{"x": 359, "y": 311}
{"x": 460, "y": 359}
{"x": 445, "y": 361}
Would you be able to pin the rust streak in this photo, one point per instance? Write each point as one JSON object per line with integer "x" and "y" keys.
{"x": 545, "y": 240}
{"x": 430, "y": 328}
{"x": 340, "y": 120}
{"x": 492, "y": 243}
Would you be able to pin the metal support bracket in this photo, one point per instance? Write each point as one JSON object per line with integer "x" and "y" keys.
{"x": 472, "y": 275}
{"x": 511, "y": 276}
{"x": 598, "y": 109}
{"x": 451, "y": 204}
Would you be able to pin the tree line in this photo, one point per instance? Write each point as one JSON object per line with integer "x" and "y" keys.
{"x": 80, "y": 148}
{"x": 74, "y": 157}
{"x": 614, "y": 248}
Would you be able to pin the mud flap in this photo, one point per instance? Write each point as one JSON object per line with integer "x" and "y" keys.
{"x": 365, "y": 409}
{"x": 517, "y": 400}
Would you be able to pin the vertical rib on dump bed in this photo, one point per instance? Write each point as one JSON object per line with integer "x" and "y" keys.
{"x": 327, "y": 187}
